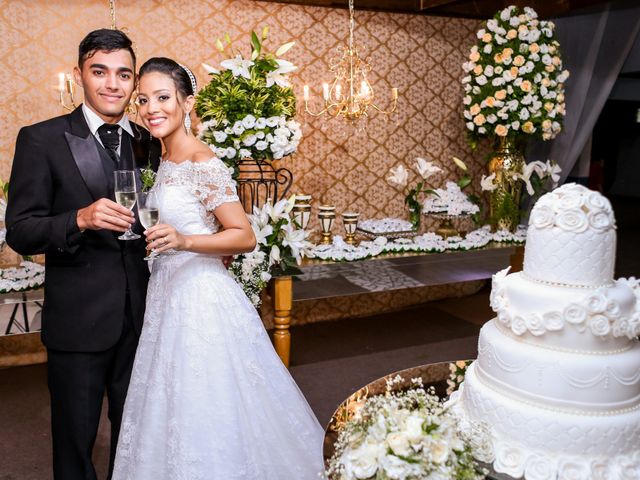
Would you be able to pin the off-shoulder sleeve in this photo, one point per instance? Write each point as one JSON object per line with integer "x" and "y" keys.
{"x": 214, "y": 185}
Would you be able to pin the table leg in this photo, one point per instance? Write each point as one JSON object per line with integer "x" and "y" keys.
{"x": 282, "y": 304}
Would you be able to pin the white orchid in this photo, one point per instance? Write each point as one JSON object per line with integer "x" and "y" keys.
{"x": 534, "y": 167}
{"x": 486, "y": 183}
{"x": 262, "y": 233}
{"x": 274, "y": 255}
{"x": 239, "y": 66}
{"x": 425, "y": 168}
{"x": 399, "y": 176}
{"x": 553, "y": 170}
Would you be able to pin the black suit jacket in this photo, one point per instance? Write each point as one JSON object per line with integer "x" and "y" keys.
{"x": 57, "y": 169}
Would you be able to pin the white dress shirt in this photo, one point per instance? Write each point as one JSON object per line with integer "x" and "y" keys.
{"x": 95, "y": 122}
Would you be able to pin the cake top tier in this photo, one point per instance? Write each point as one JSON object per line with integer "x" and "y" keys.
{"x": 571, "y": 238}
{"x": 573, "y": 208}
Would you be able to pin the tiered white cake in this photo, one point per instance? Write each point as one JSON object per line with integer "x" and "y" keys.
{"x": 557, "y": 378}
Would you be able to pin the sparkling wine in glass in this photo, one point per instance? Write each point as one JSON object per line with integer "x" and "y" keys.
{"x": 148, "y": 213}
{"x": 125, "y": 189}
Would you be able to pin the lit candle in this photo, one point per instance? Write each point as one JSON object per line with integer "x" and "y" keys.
{"x": 394, "y": 93}
{"x": 61, "y": 82}
{"x": 69, "y": 84}
{"x": 306, "y": 93}
{"x": 338, "y": 91}
{"x": 325, "y": 91}
{"x": 364, "y": 89}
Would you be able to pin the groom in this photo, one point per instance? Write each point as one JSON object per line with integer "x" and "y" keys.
{"x": 61, "y": 193}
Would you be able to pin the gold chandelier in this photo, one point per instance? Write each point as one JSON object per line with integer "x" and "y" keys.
{"x": 66, "y": 88}
{"x": 350, "y": 95}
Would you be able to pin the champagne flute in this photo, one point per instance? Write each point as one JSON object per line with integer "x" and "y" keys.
{"x": 125, "y": 189}
{"x": 148, "y": 213}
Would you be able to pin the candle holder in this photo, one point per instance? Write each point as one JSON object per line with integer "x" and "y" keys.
{"x": 65, "y": 88}
{"x": 350, "y": 221}
{"x": 326, "y": 215}
{"x": 302, "y": 210}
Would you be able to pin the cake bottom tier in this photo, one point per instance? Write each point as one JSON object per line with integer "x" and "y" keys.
{"x": 539, "y": 443}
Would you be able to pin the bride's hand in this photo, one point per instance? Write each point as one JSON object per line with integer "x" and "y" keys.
{"x": 164, "y": 237}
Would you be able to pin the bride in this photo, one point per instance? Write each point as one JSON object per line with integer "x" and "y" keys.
{"x": 209, "y": 398}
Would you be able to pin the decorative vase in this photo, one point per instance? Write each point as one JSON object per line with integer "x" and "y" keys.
{"x": 506, "y": 162}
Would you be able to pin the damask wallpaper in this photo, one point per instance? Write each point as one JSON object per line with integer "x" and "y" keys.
{"x": 419, "y": 55}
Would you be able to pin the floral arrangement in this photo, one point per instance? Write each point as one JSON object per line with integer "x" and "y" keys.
{"x": 514, "y": 81}
{"x": 280, "y": 244}
{"x": 407, "y": 435}
{"x": 456, "y": 376}
{"x": 25, "y": 277}
{"x": 400, "y": 178}
{"x": 247, "y": 109}
{"x": 429, "y": 242}
{"x": 450, "y": 201}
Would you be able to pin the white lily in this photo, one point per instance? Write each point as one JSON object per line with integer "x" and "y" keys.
{"x": 261, "y": 215}
{"x": 277, "y": 76}
{"x": 399, "y": 176}
{"x": 274, "y": 255}
{"x": 278, "y": 210}
{"x": 426, "y": 169}
{"x": 209, "y": 69}
{"x": 553, "y": 170}
{"x": 262, "y": 233}
{"x": 486, "y": 183}
{"x": 295, "y": 240}
{"x": 239, "y": 67}
{"x": 537, "y": 167}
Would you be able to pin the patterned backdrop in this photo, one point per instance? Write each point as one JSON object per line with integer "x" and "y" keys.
{"x": 419, "y": 55}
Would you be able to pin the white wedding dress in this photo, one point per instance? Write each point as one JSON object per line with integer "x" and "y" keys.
{"x": 209, "y": 398}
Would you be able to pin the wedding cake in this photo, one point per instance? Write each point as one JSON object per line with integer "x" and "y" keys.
{"x": 557, "y": 379}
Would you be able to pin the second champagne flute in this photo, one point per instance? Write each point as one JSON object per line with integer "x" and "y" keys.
{"x": 125, "y": 189}
{"x": 148, "y": 213}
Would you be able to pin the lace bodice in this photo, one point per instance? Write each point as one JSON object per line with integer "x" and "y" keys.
{"x": 189, "y": 192}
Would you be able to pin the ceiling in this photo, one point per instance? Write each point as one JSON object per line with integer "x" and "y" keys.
{"x": 481, "y": 9}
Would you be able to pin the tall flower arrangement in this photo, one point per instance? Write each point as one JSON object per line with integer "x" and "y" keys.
{"x": 280, "y": 245}
{"x": 514, "y": 82}
{"x": 248, "y": 107}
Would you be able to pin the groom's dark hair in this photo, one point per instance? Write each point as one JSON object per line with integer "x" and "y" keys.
{"x": 106, "y": 40}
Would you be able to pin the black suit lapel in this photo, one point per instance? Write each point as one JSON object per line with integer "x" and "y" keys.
{"x": 85, "y": 154}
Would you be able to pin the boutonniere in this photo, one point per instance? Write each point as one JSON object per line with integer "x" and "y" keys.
{"x": 148, "y": 177}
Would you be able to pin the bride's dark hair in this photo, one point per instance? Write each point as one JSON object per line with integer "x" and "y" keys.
{"x": 173, "y": 69}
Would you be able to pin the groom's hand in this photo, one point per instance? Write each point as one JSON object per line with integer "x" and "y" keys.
{"x": 105, "y": 214}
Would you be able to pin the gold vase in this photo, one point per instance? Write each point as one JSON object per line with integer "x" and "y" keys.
{"x": 506, "y": 162}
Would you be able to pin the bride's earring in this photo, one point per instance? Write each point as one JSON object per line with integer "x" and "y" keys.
{"x": 187, "y": 122}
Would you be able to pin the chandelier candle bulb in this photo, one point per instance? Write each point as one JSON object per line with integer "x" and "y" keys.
{"x": 306, "y": 93}
{"x": 325, "y": 91}
{"x": 69, "y": 84}
{"x": 394, "y": 93}
{"x": 61, "y": 78}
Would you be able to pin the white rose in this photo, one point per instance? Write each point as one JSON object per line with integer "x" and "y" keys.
{"x": 399, "y": 443}
{"x": 575, "y": 314}
{"x": 600, "y": 220}
{"x": 569, "y": 200}
{"x": 272, "y": 121}
{"x": 535, "y": 324}
{"x": 231, "y": 152}
{"x": 542, "y": 217}
{"x": 599, "y": 325}
{"x": 573, "y": 470}
{"x": 413, "y": 428}
{"x": 621, "y": 329}
{"x": 249, "y": 140}
{"x": 573, "y": 220}
{"x": 504, "y": 318}
{"x": 397, "y": 468}
{"x": 219, "y": 136}
{"x": 628, "y": 468}
{"x": 249, "y": 121}
{"x": 518, "y": 325}
{"x": 244, "y": 153}
{"x": 238, "y": 128}
{"x": 509, "y": 460}
{"x": 261, "y": 145}
{"x": 597, "y": 303}
{"x": 597, "y": 202}
{"x": 361, "y": 462}
{"x": 439, "y": 451}
{"x": 553, "y": 321}
{"x": 601, "y": 470}
{"x": 540, "y": 467}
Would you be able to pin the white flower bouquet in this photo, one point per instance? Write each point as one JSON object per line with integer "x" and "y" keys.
{"x": 280, "y": 244}
{"x": 247, "y": 109}
{"x": 449, "y": 201}
{"x": 514, "y": 80}
{"x": 407, "y": 435}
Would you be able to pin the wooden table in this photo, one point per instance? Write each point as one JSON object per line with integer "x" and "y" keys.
{"x": 325, "y": 279}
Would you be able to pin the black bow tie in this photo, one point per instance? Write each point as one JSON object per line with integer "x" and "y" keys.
{"x": 110, "y": 140}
